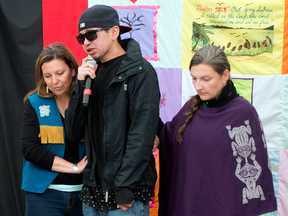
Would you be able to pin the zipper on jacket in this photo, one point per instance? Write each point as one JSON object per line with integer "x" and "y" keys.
{"x": 106, "y": 196}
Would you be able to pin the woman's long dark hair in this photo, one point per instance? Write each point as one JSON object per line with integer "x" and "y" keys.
{"x": 217, "y": 59}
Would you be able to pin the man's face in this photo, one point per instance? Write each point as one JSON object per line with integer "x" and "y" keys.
{"x": 100, "y": 47}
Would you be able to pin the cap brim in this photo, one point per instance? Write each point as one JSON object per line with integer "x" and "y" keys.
{"x": 124, "y": 29}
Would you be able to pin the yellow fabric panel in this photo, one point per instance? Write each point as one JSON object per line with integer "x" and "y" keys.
{"x": 244, "y": 88}
{"x": 251, "y": 34}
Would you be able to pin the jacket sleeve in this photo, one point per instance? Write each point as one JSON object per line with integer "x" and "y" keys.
{"x": 76, "y": 113}
{"x": 160, "y": 126}
{"x": 32, "y": 149}
{"x": 144, "y": 99}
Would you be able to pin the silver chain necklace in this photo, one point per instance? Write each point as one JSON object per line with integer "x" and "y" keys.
{"x": 62, "y": 110}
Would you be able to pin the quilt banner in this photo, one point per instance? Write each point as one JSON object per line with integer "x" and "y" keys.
{"x": 253, "y": 34}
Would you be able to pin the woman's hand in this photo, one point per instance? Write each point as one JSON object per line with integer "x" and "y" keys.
{"x": 156, "y": 143}
{"x": 86, "y": 69}
{"x": 82, "y": 164}
{"x": 64, "y": 166}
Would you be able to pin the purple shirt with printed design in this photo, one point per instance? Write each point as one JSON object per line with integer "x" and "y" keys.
{"x": 221, "y": 167}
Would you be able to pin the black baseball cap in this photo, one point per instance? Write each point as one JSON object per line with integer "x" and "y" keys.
{"x": 101, "y": 16}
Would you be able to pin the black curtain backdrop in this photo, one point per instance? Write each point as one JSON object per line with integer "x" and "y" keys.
{"x": 21, "y": 41}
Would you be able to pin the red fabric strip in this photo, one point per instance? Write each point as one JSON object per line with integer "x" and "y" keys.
{"x": 60, "y": 24}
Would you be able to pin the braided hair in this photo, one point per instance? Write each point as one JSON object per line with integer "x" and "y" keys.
{"x": 217, "y": 59}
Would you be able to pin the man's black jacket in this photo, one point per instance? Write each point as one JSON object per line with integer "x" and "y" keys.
{"x": 131, "y": 112}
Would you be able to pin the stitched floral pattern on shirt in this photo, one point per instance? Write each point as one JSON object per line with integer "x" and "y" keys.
{"x": 44, "y": 110}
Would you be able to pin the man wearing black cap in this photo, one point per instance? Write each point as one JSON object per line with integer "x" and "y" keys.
{"x": 121, "y": 120}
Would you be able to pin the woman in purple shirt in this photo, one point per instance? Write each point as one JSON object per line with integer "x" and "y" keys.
{"x": 213, "y": 154}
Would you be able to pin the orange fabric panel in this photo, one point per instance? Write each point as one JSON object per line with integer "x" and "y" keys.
{"x": 154, "y": 205}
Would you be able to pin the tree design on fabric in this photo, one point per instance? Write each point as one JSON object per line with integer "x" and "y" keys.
{"x": 134, "y": 22}
{"x": 200, "y": 34}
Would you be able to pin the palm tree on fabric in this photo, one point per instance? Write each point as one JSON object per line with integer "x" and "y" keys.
{"x": 200, "y": 34}
{"x": 135, "y": 22}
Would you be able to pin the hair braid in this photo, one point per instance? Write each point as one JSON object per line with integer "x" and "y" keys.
{"x": 190, "y": 114}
